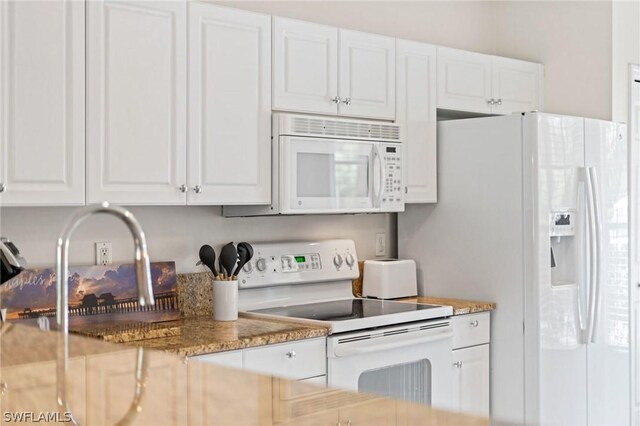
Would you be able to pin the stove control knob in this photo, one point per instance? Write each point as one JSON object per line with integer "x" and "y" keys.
{"x": 247, "y": 267}
{"x": 350, "y": 260}
{"x": 261, "y": 264}
{"x": 337, "y": 260}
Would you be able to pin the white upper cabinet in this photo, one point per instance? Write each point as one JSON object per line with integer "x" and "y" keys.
{"x": 229, "y": 106}
{"x": 367, "y": 77}
{"x": 136, "y": 102}
{"x": 42, "y": 103}
{"x": 474, "y": 82}
{"x": 516, "y": 85}
{"x": 326, "y": 70}
{"x": 305, "y": 66}
{"x": 416, "y": 113}
{"x": 464, "y": 80}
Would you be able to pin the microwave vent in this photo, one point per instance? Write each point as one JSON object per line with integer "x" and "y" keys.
{"x": 345, "y": 129}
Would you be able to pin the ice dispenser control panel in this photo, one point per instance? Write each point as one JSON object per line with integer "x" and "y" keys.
{"x": 562, "y": 223}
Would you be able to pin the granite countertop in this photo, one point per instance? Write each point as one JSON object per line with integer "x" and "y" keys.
{"x": 199, "y": 335}
{"x": 102, "y": 382}
{"x": 460, "y": 306}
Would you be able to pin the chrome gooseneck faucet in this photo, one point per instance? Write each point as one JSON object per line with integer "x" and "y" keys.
{"x": 143, "y": 276}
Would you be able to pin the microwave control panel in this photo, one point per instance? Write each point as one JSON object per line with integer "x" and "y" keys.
{"x": 392, "y": 199}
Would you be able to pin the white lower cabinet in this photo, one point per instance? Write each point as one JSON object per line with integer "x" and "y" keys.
{"x": 299, "y": 360}
{"x": 232, "y": 359}
{"x": 470, "y": 363}
{"x": 471, "y": 379}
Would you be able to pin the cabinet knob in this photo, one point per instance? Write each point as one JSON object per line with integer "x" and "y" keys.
{"x": 491, "y": 102}
{"x": 291, "y": 354}
{"x": 182, "y": 188}
{"x": 457, "y": 364}
{"x": 347, "y": 101}
{"x": 336, "y": 100}
{"x": 197, "y": 189}
{"x": 474, "y": 323}
{"x": 499, "y": 102}
{"x": 3, "y": 187}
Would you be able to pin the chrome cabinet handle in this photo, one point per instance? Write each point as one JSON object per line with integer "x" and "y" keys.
{"x": 3, "y": 187}
{"x": 474, "y": 323}
{"x": 491, "y": 102}
{"x": 182, "y": 188}
{"x": 336, "y": 100}
{"x": 457, "y": 364}
{"x": 197, "y": 189}
{"x": 347, "y": 101}
{"x": 291, "y": 354}
{"x": 499, "y": 102}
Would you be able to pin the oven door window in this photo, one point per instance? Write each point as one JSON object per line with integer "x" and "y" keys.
{"x": 408, "y": 382}
{"x": 320, "y": 175}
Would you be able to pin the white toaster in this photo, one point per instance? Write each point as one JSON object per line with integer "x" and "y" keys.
{"x": 389, "y": 278}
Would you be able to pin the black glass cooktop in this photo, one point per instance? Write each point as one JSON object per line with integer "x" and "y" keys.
{"x": 343, "y": 310}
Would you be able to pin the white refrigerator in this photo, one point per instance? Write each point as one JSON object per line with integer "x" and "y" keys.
{"x": 532, "y": 214}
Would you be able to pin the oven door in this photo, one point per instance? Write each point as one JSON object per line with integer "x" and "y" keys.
{"x": 329, "y": 176}
{"x": 411, "y": 363}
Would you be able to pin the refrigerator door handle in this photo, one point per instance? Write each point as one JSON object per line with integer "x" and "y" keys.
{"x": 597, "y": 219}
{"x": 581, "y": 197}
{"x": 593, "y": 266}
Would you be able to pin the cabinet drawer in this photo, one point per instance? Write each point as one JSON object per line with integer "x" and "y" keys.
{"x": 232, "y": 359}
{"x": 470, "y": 330}
{"x": 295, "y": 360}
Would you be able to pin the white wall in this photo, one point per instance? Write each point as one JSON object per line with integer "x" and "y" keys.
{"x": 625, "y": 50}
{"x": 461, "y": 24}
{"x": 176, "y": 233}
{"x": 573, "y": 41}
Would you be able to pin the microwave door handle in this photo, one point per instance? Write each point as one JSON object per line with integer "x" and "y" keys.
{"x": 382, "y": 174}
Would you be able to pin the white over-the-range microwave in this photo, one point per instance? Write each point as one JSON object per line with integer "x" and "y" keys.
{"x": 324, "y": 165}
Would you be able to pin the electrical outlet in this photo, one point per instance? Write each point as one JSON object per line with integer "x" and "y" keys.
{"x": 103, "y": 253}
{"x": 381, "y": 244}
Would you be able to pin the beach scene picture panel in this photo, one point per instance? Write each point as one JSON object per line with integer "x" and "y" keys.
{"x": 97, "y": 293}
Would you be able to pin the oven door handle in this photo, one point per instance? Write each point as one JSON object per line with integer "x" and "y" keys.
{"x": 397, "y": 341}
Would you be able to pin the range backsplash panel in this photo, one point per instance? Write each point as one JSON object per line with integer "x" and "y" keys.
{"x": 97, "y": 293}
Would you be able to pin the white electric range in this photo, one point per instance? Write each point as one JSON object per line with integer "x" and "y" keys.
{"x": 392, "y": 348}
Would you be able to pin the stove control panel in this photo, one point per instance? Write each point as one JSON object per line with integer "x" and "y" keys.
{"x": 290, "y": 263}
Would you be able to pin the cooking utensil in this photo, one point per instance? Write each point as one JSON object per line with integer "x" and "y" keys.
{"x": 229, "y": 257}
{"x": 243, "y": 256}
{"x": 208, "y": 257}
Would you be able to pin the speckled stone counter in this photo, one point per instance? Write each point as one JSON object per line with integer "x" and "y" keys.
{"x": 202, "y": 335}
{"x": 102, "y": 382}
{"x": 460, "y": 306}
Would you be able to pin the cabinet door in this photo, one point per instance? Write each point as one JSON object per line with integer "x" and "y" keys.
{"x": 136, "y": 101}
{"x": 378, "y": 412}
{"x": 416, "y": 113}
{"x": 367, "y": 75}
{"x": 471, "y": 380}
{"x": 464, "y": 80}
{"x": 111, "y": 387}
{"x": 229, "y": 106}
{"x": 305, "y": 67}
{"x": 33, "y": 386}
{"x": 516, "y": 85}
{"x": 41, "y": 103}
